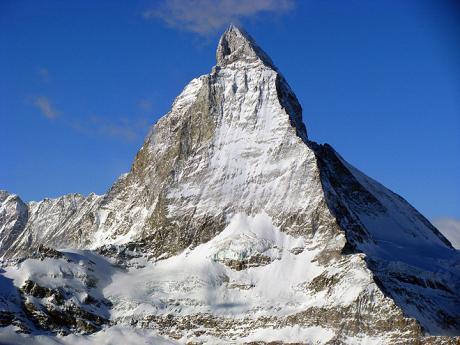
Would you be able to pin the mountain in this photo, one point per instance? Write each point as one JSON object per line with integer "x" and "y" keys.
{"x": 232, "y": 226}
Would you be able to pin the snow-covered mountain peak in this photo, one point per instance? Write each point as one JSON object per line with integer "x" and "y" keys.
{"x": 237, "y": 45}
{"x": 231, "y": 226}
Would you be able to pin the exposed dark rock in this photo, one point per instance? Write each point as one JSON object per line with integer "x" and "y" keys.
{"x": 255, "y": 260}
{"x": 6, "y": 318}
{"x": 33, "y": 289}
{"x": 59, "y": 315}
{"x": 297, "y": 250}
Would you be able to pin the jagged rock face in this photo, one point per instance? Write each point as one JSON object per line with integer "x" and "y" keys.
{"x": 256, "y": 226}
{"x": 13, "y": 219}
{"x": 67, "y": 221}
{"x": 410, "y": 259}
{"x": 235, "y": 129}
{"x": 56, "y": 292}
{"x": 239, "y": 129}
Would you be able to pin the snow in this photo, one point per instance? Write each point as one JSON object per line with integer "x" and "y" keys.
{"x": 116, "y": 335}
{"x": 123, "y": 335}
{"x": 292, "y": 334}
{"x": 187, "y": 96}
{"x": 406, "y": 252}
{"x": 71, "y": 271}
{"x": 198, "y": 281}
{"x": 244, "y": 162}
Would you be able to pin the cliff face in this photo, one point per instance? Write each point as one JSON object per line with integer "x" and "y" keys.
{"x": 13, "y": 219}
{"x": 231, "y": 221}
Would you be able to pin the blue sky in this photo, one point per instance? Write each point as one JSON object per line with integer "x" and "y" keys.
{"x": 82, "y": 81}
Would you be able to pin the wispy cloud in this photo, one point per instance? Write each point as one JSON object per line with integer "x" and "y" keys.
{"x": 45, "y": 107}
{"x": 122, "y": 128}
{"x": 126, "y": 129}
{"x": 208, "y": 16}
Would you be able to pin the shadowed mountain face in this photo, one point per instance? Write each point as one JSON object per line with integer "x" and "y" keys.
{"x": 232, "y": 222}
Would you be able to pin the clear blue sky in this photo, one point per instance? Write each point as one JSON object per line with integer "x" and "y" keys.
{"x": 81, "y": 81}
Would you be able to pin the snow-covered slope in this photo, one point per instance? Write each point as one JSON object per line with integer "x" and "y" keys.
{"x": 232, "y": 226}
{"x": 67, "y": 220}
{"x": 410, "y": 259}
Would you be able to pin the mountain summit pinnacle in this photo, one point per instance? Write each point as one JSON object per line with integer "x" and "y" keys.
{"x": 236, "y": 44}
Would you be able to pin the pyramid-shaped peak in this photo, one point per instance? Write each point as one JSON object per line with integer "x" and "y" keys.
{"x": 237, "y": 45}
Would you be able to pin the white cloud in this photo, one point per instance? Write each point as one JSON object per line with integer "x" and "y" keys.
{"x": 208, "y": 16}
{"x": 45, "y": 107}
{"x": 450, "y": 228}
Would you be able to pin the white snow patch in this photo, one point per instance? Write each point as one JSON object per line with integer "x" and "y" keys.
{"x": 201, "y": 284}
{"x": 116, "y": 335}
{"x": 309, "y": 335}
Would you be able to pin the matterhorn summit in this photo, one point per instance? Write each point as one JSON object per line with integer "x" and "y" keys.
{"x": 232, "y": 227}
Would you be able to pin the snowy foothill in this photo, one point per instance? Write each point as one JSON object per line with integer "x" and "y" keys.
{"x": 197, "y": 281}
